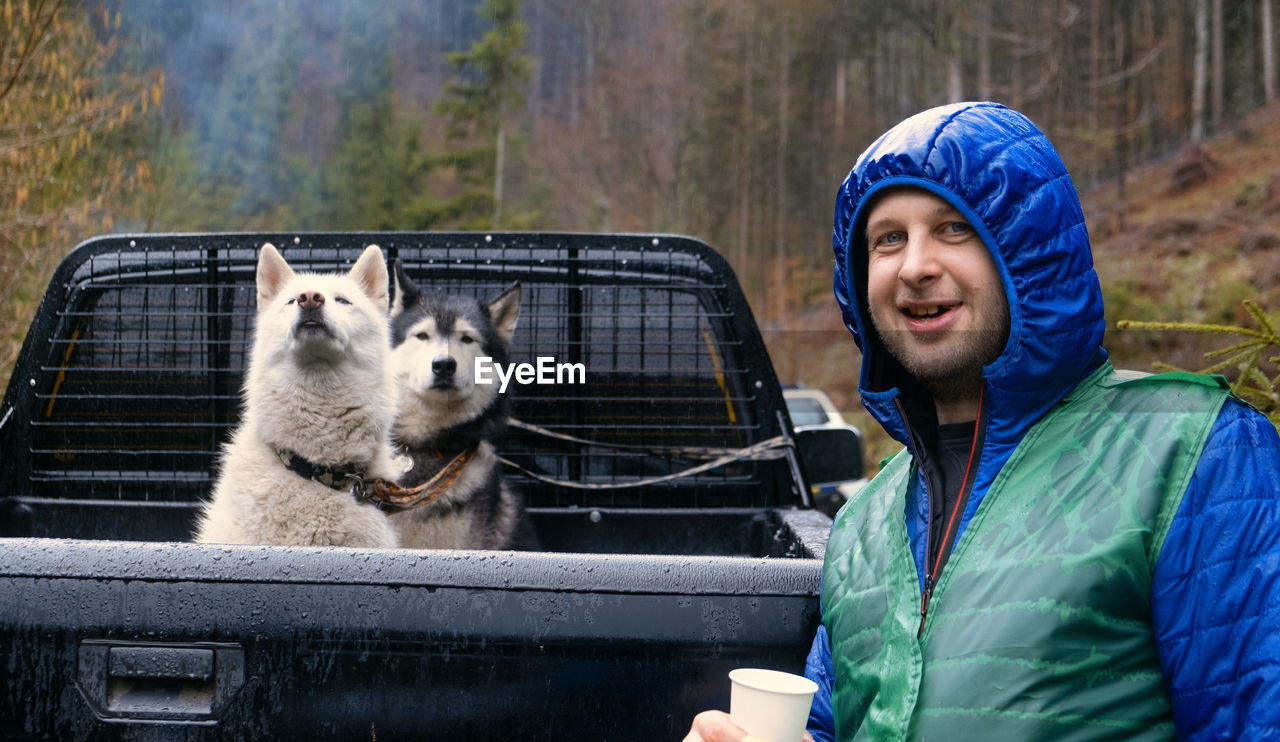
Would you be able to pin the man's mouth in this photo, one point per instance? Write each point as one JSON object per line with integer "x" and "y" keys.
{"x": 927, "y": 311}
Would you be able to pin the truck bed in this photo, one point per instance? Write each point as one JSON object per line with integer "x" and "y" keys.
{"x": 623, "y": 627}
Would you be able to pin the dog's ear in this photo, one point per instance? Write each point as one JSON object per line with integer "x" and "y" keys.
{"x": 505, "y": 311}
{"x": 407, "y": 292}
{"x": 370, "y": 271}
{"x": 273, "y": 273}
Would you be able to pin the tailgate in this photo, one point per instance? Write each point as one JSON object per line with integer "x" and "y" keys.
{"x": 116, "y": 640}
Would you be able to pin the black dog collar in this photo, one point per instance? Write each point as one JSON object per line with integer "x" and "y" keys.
{"x": 342, "y": 480}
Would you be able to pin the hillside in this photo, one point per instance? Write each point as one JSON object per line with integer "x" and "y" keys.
{"x": 1193, "y": 253}
{"x": 1193, "y": 235}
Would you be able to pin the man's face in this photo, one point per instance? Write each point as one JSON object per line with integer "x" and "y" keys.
{"x": 934, "y": 292}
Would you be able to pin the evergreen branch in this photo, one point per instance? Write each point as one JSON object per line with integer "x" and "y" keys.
{"x": 1125, "y": 324}
{"x": 1234, "y": 348}
{"x": 1261, "y": 318}
{"x": 1255, "y": 375}
{"x": 1252, "y": 383}
{"x": 1219, "y": 367}
{"x": 1260, "y": 398}
{"x": 1243, "y": 360}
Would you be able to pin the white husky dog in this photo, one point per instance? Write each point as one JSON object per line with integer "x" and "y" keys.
{"x": 319, "y": 404}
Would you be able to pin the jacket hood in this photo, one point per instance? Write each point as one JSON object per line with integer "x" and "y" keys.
{"x": 1000, "y": 171}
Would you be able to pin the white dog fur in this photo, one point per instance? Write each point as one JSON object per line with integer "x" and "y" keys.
{"x": 322, "y": 390}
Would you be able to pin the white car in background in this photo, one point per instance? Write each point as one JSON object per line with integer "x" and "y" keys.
{"x": 811, "y": 407}
{"x": 832, "y": 460}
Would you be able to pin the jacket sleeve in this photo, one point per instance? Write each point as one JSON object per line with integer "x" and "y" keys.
{"x": 1216, "y": 587}
{"x": 818, "y": 668}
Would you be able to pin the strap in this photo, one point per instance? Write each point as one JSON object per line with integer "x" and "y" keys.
{"x": 689, "y": 452}
{"x": 391, "y": 497}
{"x": 750, "y": 453}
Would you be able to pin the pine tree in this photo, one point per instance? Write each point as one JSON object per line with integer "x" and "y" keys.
{"x": 1252, "y": 382}
{"x": 477, "y": 107}
{"x": 251, "y": 108}
{"x": 377, "y": 173}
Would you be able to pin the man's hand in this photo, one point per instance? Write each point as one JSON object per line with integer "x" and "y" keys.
{"x": 715, "y": 726}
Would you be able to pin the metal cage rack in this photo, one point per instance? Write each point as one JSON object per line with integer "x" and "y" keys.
{"x": 131, "y": 377}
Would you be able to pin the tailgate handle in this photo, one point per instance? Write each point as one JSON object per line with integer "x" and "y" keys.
{"x": 172, "y": 663}
{"x": 156, "y": 681}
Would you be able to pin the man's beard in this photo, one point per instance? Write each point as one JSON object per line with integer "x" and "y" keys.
{"x": 952, "y": 371}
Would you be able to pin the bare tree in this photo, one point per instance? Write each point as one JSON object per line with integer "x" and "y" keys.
{"x": 1218, "y": 68}
{"x": 784, "y": 118}
{"x": 1095, "y": 60}
{"x": 984, "y": 50}
{"x": 1200, "y": 81}
{"x": 1268, "y": 51}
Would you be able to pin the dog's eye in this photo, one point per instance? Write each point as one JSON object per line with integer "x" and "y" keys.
{"x": 341, "y": 300}
{"x": 467, "y": 339}
{"x": 423, "y": 336}
{"x": 291, "y": 301}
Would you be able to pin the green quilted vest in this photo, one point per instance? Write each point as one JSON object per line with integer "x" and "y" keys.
{"x": 1040, "y": 625}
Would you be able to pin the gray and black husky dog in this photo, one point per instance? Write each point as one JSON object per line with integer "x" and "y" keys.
{"x": 447, "y": 423}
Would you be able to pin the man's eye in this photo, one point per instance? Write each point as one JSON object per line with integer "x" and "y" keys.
{"x": 422, "y": 336}
{"x": 342, "y": 300}
{"x": 887, "y": 240}
{"x": 958, "y": 227}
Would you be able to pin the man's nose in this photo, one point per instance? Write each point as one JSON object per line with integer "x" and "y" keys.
{"x": 920, "y": 260}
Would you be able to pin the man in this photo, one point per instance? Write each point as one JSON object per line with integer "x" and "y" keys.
{"x": 1062, "y": 551}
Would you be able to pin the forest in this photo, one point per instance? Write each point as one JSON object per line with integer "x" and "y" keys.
{"x": 730, "y": 120}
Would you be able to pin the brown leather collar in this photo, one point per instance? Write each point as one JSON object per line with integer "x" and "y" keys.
{"x": 392, "y": 498}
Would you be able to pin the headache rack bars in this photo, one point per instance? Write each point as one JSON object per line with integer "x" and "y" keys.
{"x": 130, "y": 378}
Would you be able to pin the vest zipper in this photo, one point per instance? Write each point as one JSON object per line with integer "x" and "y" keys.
{"x": 928, "y": 530}
{"x": 931, "y": 574}
{"x": 924, "y": 604}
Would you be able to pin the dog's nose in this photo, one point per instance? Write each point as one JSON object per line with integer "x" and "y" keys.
{"x": 444, "y": 366}
{"x": 311, "y": 300}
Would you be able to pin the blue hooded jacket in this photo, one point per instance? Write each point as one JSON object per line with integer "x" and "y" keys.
{"x": 1216, "y": 590}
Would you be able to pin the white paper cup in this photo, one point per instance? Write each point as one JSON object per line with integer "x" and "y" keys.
{"x": 769, "y": 704}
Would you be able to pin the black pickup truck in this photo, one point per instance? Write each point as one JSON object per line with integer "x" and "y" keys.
{"x": 654, "y": 581}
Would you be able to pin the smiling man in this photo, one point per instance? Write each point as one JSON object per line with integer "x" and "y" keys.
{"x": 1062, "y": 551}
{"x": 935, "y": 296}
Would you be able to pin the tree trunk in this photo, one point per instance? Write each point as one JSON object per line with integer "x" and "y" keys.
{"x": 1268, "y": 51}
{"x": 984, "y": 55}
{"x": 1015, "y": 80}
{"x": 1095, "y": 61}
{"x": 745, "y": 187}
{"x": 498, "y": 165}
{"x": 951, "y": 46}
{"x": 955, "y": 86}
{"x": 842, "y": 75}
{"x": 1200, "y": 78}
{"x": 780, "y": 169}
{"x": 1219, "y": 68}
